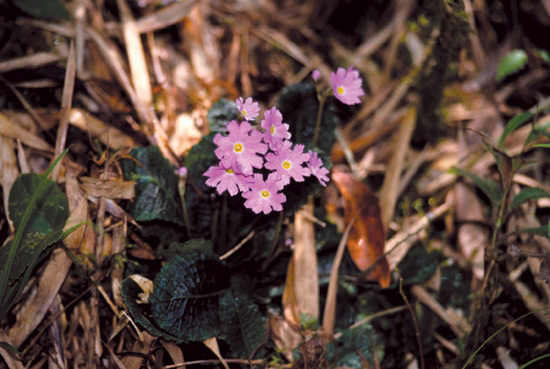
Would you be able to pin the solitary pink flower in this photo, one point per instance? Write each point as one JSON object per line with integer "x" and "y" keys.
{"x": 227, "y": 179}
{"x": 248, "y": 109}
{"x": 238, "y": 150}
{"x": 316, "y": 74}
{"x": 264, "y": 195}
{"x": 346, "y": 86}
{"x": 287, "y": 162}
{"x": 315, "y": 165}
{"x": 275, "y": 130}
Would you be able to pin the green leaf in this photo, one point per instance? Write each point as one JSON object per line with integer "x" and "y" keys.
{"x": 418, "y": 265}
{"x": 200, "y": 158}
{"x": 222, "y": 112}
{"x": 157, "y": 195}
{"x": 544, "y": 145}
{"x": 513, "y": 124}
{"x": 243, "y": 323}
{"x": 32, "y": 246}
{"x": 141, "y": 313}
{"x": 298, "y": 104}
{"x": 184, "y": 301}
{"x": 512, "y": 62}
{"x": 489, "y": 187}
{"x": 527, "y": 194}
{"x": 53, "y": 9}
{"x": 49, "y": 213}
{"x": 362, "y": 339}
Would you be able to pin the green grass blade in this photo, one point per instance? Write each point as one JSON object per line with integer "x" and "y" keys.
{"x": 6, "y": 269}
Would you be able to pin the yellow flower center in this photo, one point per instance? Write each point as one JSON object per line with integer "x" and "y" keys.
{"x": 238, "y": 147}
{"x": 340, "y": 90}
{"x": 265, "y": 194}
{"x": 272, "y": 130}
{"x": 286, "y": 164}
{"x": 243, "y": 112}
{"x": 229, "y": 171}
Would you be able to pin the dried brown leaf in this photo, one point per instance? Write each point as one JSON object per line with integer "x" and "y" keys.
{"x": 367, "y": 237}
{"x": 112, "y": 189}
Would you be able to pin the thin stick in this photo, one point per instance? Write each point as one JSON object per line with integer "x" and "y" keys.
{"x": 418, "y": 340}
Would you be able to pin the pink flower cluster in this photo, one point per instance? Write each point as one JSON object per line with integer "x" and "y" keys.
{"x": 249, "y": 148}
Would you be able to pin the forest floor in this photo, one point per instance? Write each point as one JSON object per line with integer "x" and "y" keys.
{"x": 438, "y": 175}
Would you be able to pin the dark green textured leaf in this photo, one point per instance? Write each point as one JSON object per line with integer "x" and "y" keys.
{"x": 141, "y": 312}
{"x": 177, "y": 248}
{"x": 184, "y": 301}
{"x": 200, "y": 158}
{"x": 512, "y": 62}
{"x": 513, "y": 124}
{"x": 243, "y": 324}
{"x": 418, "y": 265}
{"x": 298, "y": 104}
{"x": 157, "y": 195}
{"x": 527, "y": 194}
{"x": 31, "y": 245}
{"x": 53, "y": 9}
{"x": 221, "y": 113}
{"x": 361, "y": 339}
{"x": 49, "y": 213}
{"x": 489, "y": 187}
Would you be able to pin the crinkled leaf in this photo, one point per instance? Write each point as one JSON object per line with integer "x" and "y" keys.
{"x": 33, "y": 245}
{"x": 157, "y": 195}
{"x": 200, "y": 158}
{"x": 49, "y": 213}
{"x": 178, "y": 248}
{"x": 141, "y": 313}
{"x": 54, "y": 9}
{"x": 243, "y": 323}
{"x": 527, "y": 194}
{"x": 222, "y": 112}
{"x": 513, "y": 124}
{"x": 489, "y": 187}
{"x": 362, "y": 339}
{"x": 184, "y": 301}
{"x": 418, "y": 265}
{"x": 298, "y": 104}
{"x": 512, "y": 62}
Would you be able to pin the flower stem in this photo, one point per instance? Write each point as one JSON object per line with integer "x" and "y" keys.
{"x": 322, "y": 99}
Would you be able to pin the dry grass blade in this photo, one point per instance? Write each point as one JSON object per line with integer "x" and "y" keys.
{"x": 29, "y": 62}
{"x": 165, "y": 17}
{"x": 136, "y": 56}
{"x": 111, "y": 189}
{"x": 304, "y": 259}
{"x": 8, "y": 168}
{"x": 390, "y": 187}
{"x": 66, "y": 104}
{"x": 329, "y": 315}
{"x": 108, "y": 135}
{"x": 10, "y": 129}
{"x": 212, "y": 344}
{"x": 11, "y": 361}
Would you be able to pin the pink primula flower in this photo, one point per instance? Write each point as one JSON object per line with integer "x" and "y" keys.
{"x": 315, "y": 165}
{"x": 248, "y": 108}
{"x": 275, "y": 130}
{"x": 227, "y": 179}
{"x": 238, "y": 150}
{"x": 346, "y": 86}
{"x": 287, "y": 162}
{"x": 263, "y": 195}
